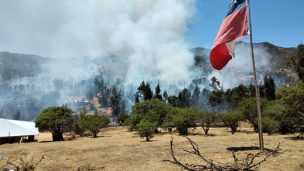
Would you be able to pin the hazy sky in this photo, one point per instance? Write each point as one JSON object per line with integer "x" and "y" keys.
{"x": 277, "y": 21}
{"x": 77, "y": 27}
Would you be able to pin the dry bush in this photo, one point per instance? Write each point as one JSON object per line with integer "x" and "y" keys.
{"x": 24, "y": 162}
{"x": 2, "y": 163}
{"x": 250, "y": 163}
{"x": 89, "y": 168}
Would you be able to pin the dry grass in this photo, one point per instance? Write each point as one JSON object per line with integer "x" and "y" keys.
{"x": 118, "y": 149}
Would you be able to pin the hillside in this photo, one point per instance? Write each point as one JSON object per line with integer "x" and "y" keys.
{"x": 278, "y": 61}
{"x": 47, "y": 81}
{"x": 14, "y": 65}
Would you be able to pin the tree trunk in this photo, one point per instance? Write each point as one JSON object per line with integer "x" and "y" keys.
{"x": 205, "y": 128}
{"x": 206, "y": 131}
{"x": 147, "y": 138}
{"x": 233, "y": 129}
{"x": 57, "y": 136}
{"x": 94, "y": 134}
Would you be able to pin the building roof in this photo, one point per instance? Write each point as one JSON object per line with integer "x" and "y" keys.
{"x": 12, "y": 128}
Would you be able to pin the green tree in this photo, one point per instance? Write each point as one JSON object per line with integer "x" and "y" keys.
{"x": 173, "y": 101}
{"x": 165, "y": 95}
{"x": 123, "y": 118}
{"x": 269, "y": 88}
{"x": 248, "y": 108}
{"x": 251, "y": 90}
{"x": 196, "y": 97}
{"x": 148, "y": 93}
{"x": 299, "y": 62}
{"x": 115, "y": 102}
{"x": 77, "y": 128}
{"x": 136, "y": 96}
{"x": 206, "y": 119}
{"x": 232, "y": 118}
{"x": 293, "y": 100}
{"x": 273, "y": 116}
{"x": 158, "y": 93}
{"x": 154, "y": 110}
{"x": 144, "y": 91}
{"x": 184, "y": 119}
{"x": 215, "y": 84}
{"x": 56, "y": 120}
{"x": 94, "y": 123}
{"x": 235, "y": 95}
{"x": 146, "y": 129}
{"x": 104, "y": 97}
{"x": 184, "y": 98}
{"x": 216, "y": 99}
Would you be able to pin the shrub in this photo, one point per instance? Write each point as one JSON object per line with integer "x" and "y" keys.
{"x": 122, "y": 119}
{"x": 270, "y": 125}
{"x": 77, "y": 128}
{"x": 94, "y": 123}
{"x": 184, "y": 119}
{"x": 206, "y": 119}
{"x": 56, "y": 120}
{"x": 232, "y": 118}
{"x": 146, "y": 129}
{"x": 154, "y": 110}
{"x": 293, "y": 100}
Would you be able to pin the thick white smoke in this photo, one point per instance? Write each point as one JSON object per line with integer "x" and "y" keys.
{"x": 240, "y": 71}
{"x": 133, "y": 40}
{"x": 148, "y": 36}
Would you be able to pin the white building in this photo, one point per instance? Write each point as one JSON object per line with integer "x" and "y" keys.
{"x": 15, "y": 131}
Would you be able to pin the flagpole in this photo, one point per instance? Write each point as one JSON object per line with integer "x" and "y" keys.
{"x": 257, "y": 92}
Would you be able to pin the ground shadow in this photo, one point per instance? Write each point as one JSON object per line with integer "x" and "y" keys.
{"x": 150, "y": 141}
{"x": 251, "y": 148}
{"x": 100, "y": 136}
{"x": 295, "y": 138}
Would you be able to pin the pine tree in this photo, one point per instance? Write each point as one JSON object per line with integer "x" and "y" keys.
{"x": 148, "y": 93}
{"x": 272, "y": 88}
{"x": 196, "y": 97}
{"x": 136, "y": 98}
{"x": 165, "y": 95}
{"x": 115, "y": 102}
{"x": 215, "y": 84}
{"x": 144, "y": 92}
{"x": 269, "y": 88}
{"x": 184, "y": 98}
{"x": 299, "y": 62}
{"x": 157, "y": 93}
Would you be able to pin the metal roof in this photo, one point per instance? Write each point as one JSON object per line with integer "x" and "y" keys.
{"x": 12, "y": 128}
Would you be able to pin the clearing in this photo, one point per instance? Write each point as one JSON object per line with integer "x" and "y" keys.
{"x": 118, "y": 149}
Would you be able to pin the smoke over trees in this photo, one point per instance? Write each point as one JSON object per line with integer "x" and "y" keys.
{"x": 80, "y": 39}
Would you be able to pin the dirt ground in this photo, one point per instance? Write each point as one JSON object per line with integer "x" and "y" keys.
{"x": 117, "y": 149}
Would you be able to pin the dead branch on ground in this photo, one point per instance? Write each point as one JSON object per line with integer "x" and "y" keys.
{"x": 250, "y": 163}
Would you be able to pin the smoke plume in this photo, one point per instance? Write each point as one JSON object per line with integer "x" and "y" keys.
{"x": 132, "y": 40}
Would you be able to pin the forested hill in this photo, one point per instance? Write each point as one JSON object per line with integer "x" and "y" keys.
{"x": 13, "y": 65}
{"x": 279, "y": 59}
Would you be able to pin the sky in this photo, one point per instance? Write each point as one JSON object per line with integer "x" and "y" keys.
{"x": 97, "y": 27}
{"x": 279, "y": 22}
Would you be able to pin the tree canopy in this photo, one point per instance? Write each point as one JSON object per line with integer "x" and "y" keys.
{"x": 56, "y": 120}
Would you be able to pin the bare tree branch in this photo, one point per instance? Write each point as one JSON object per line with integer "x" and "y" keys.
{"x": 250, "y": 163}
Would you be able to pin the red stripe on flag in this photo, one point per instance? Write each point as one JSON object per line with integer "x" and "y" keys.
{"x": 234, "y": 26}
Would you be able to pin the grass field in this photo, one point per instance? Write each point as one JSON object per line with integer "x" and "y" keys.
{"x": 118, "y": 149}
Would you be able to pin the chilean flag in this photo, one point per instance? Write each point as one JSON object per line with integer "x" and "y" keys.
{"x": 234, "y": 26}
